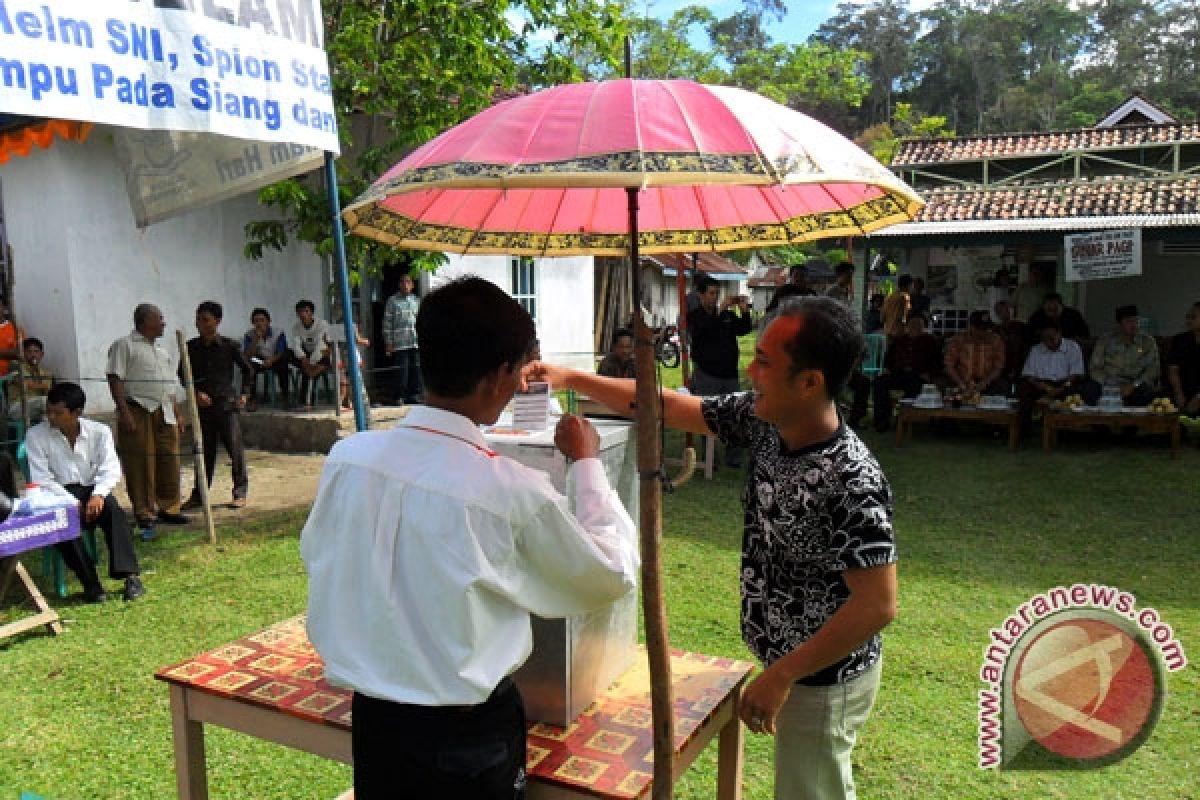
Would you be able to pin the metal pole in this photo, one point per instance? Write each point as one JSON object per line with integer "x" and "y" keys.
{"x": 343, "y": 285}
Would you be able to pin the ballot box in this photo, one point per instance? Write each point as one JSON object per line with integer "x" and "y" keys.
{"x": 576, "y": 658}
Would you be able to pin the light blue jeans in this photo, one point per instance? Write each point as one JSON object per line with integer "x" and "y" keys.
{"x": 815, "y": 734}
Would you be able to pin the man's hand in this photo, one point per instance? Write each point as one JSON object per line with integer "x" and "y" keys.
{"x": 125, "y": 418}
{"x": 543, "y": 372}
{"x": 762, "y": 699}
{"x": 203, "y": 400}
{"x": 1126, "y": 390}
{"x": 576, "y": 438}
{"x": 93, "y": 508}
{"x": 242, "y": 401}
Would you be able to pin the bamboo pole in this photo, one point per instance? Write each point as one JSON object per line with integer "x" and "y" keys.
{"x": 197, "y": 436}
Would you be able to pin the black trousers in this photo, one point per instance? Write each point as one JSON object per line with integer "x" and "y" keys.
{"x": 466, "y": 753}
{"x": 280, "y": 368}
{"x": 122, "y": 560}
{"x": 223, "y": 425}
{"x": 406, "y": 376}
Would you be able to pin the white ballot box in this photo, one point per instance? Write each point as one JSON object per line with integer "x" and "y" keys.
{"x": 576, "y": 658}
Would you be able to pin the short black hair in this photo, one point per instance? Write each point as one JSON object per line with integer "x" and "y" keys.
{"x": 843, "y": 268}
{"x": 980, "y": 319}
{"x": 258, "y": 311}
{"x": 621, "y": 332}
{"x": 828, "y": 340}
{"x": 1052, "y": 296}
{"x": 786, "y": 291}
{"x": 68, "y": 394}
{"x": 704, "y": 283}
{"x": 904, "y": 282}
{"x": 211, "y": 307}
{"x": 1124, "y": 312}
{"x": 467, "y": 329}
{"x": 33, "y": 341}
{"x": 919, "y": 283}
{"x": 306, "y": 304}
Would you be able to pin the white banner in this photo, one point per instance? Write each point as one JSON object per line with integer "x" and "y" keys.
{"x": 1103, "y": 254}
{"x": 250, "y": 69}
{"x": 169, "y": 172}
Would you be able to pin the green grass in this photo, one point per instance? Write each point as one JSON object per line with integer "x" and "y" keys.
{"x": 980, "y": 531}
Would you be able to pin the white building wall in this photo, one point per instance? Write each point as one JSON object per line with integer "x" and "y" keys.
{"x": 1163, "y": 292}
{"x": 564, "y": 292}
{"x": 82, "y": 265}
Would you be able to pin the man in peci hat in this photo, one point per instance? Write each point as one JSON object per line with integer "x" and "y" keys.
{"x": 1125, "y": 358}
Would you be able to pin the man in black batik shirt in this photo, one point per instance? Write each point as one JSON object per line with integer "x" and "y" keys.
{"x": 818, "y": 573}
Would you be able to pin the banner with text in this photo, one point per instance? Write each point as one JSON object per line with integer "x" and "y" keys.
{"x": 1103, "y": 254}
{"x": 249, "y": 69}
{"x": 169, "y": 172}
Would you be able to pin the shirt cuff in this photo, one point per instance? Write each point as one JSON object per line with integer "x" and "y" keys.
{"x": 589, "y": 475}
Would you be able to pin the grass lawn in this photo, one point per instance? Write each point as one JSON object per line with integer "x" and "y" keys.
{"x": 980, "y": 529}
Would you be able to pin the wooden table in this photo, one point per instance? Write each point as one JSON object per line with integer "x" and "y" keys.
{"x": 1055, "y": 420}
{"x": 271, "y": 685}
{"x": 21, "y": 535}
{"x": 907, "y": 414}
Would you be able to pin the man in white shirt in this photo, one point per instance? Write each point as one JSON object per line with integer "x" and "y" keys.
{"x": 1053, "y": 370}
{"x": 427, "y": 552}
{"x": 141, "y": 377}
{"x": 310, "y": 347}
{"x": 78, "y": 454}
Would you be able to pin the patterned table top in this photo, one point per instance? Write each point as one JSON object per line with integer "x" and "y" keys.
{"x": 607, "y": 750}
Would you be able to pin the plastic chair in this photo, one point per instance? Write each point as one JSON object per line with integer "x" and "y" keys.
{"x": 270, "y": 385}
{"x": 872, "y": 362}
{"x": 321, "y": 387}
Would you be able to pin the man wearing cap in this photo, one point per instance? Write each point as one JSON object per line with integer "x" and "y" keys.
{"x": 1125, "y": 358}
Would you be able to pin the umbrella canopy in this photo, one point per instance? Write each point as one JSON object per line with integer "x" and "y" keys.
{"x": 721, "y": 169}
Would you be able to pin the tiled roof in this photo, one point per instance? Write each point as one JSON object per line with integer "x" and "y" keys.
{"x": 768, "y": 277}
{"x": 1146, "y": 203}
{"x": 914, "y": 152}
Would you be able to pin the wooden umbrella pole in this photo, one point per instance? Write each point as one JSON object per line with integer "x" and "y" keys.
{"x": 197, "y": 436}
{"x": 649, "y": 453}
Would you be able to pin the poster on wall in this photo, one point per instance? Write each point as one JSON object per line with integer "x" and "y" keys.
{"x": 253, "y": 71}
{"x": 1103, "y": 254}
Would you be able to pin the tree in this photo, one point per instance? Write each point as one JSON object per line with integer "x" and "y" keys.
{"x": 405, "y": 70}
{"x": 663, "y": 49}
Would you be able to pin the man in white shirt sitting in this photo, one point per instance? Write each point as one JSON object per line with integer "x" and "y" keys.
{"x": 1053, "y": 370}
{"x": 427, "y": 552}
{"x": 78, "y": 454}
{"x": 310, "y": 348}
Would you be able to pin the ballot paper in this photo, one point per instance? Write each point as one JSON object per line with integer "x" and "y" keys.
{"x": 531, "y": 408}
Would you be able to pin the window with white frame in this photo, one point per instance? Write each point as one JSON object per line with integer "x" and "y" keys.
{"x": 524, "y": 285}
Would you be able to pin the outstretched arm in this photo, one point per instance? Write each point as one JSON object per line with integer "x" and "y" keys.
{"x": 681, "y": 411}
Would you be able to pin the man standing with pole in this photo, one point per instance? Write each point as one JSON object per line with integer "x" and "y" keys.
{"x": 818, "y": 577}
{"x": 143, "y": 388}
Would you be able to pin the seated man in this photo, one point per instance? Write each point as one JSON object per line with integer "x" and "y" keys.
{"x": 1069, "y": 320}
{"x": 37, "y": 383}
{"x": 266, "y": 347}
{"x": 78, "y": 454}
{"x": 1015, "y": 336}
{"x": 1053, "y": 370}
{"x": 310, "y": 347}
{"x": 1126, "y": 359}
{"x": 913, "y": 358}
{"x": 619, "y": 361}
{"x": 1183, "y": 365}
{"x": 975, "y": 358}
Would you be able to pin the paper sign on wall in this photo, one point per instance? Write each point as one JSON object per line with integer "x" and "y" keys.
{"x": 1103, "y": 254}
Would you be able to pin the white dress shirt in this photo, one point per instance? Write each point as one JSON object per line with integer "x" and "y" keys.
{"x": 426, "y": 552}
{"x": 91, "y": 462}
{"x": 1045, "y": 364}
{"x": 148, "y": 372}
{"x": 311, "y": 342}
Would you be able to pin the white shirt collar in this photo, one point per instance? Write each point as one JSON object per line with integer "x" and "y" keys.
{"x": 446, "y": 422}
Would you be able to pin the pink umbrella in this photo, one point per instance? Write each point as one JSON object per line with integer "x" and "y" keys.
{"x": 622, "y": 167}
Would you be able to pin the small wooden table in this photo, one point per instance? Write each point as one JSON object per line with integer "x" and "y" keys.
{"x": 271, "y": 685}
{"x": 907, "y": 414}
{"x": 20, "y": 535}
{"x": 1055, "y": 420}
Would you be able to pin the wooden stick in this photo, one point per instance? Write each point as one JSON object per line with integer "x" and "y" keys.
{"x": 649, "y": 461}
{"x": 197, "y": 436}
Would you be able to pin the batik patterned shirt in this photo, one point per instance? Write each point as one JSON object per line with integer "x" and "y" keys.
{"x": 809, "y": 515}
